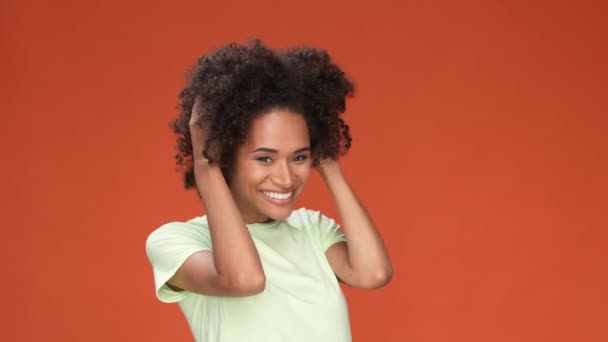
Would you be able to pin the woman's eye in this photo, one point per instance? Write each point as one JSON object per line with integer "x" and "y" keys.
{"x": 264, "y": 159}
{"x": 301, "y": 158}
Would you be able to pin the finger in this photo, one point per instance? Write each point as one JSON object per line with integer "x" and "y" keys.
{"x": 196, "y": 111}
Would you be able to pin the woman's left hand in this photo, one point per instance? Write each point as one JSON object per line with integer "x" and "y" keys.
{"x": 327, "y": 167}
{"x": 363, "y": 260}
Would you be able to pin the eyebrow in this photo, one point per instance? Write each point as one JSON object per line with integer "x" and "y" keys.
{"x": 270, "y": 150}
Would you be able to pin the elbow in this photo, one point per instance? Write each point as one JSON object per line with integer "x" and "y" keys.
{"x": 385, "y": 277}
{"x": 378, "y": 279}
{"x": 250, "y": 285}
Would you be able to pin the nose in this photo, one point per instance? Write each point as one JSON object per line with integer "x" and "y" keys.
{"x": 282, "y": 175}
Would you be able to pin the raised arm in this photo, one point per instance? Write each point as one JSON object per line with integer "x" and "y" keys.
{"x": 233, "y": 267}
{"x": 363, "y": 260}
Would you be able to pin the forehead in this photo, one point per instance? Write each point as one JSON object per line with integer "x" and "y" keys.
{"x": 278, "y": 129}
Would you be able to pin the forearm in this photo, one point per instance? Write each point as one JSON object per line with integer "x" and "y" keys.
{"x": 367, "y": 254}
{"x": 235, "y": 257}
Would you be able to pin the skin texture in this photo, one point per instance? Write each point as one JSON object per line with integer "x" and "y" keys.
{"x": 275, "y": 157}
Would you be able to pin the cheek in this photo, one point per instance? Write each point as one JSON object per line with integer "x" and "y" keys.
{"x": 303, "y": 172}
{"x": 253, "y": 175}
{"x": 242, "y": 178}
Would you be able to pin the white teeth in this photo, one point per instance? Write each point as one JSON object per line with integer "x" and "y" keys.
{"x": 278, "y": 195}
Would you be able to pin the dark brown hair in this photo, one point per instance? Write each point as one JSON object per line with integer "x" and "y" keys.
{"x": 239, "y": 81}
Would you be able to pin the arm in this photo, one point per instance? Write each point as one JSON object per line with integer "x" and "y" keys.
{"x": 363, "y": 260}
{"x": 233, "y": 267}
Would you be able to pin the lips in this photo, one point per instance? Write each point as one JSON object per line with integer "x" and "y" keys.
{"x": 278, "y": 196}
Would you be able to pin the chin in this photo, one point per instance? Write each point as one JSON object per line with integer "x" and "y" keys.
{"x": 279, "y": 215}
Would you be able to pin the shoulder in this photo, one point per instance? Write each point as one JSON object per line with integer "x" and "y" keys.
{"x": 193, "y": 229}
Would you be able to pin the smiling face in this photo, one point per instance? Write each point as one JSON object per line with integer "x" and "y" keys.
{"x": 272, "y": 166}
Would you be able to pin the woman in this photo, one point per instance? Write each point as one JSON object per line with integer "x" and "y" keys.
{"x": 253, "y": 123}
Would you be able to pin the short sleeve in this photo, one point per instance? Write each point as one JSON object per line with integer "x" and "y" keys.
{"x": 328, "y": 230}
{"x": 168, "y": 247}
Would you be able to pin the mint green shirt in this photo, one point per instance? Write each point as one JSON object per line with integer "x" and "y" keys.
{"x": 302, "y": 300}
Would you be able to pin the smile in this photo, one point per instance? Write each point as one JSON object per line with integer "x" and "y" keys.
{"x": 282, "y": 196}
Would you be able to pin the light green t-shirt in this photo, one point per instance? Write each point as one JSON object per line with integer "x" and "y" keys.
{"x": 302, "y": 300}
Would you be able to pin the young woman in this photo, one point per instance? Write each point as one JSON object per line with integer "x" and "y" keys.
{"x": 254, "y": 123}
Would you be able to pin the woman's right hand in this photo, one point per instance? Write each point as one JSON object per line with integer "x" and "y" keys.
{"x": 233, "y": 266}
{"x": 197, "y": 133}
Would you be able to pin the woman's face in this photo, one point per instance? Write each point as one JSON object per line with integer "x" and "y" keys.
{"x": 272, "y": 166}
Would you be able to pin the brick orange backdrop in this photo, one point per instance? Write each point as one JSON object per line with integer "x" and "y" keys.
{"x": 479, "y": 148}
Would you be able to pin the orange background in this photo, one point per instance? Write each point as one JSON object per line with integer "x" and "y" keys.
{"x": 479, "y": 149}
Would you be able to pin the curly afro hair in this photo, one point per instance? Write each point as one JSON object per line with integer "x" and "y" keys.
{"x": 239, "y": 81}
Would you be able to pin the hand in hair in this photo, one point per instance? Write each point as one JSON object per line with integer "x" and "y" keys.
{"x": 197, "y": 133}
